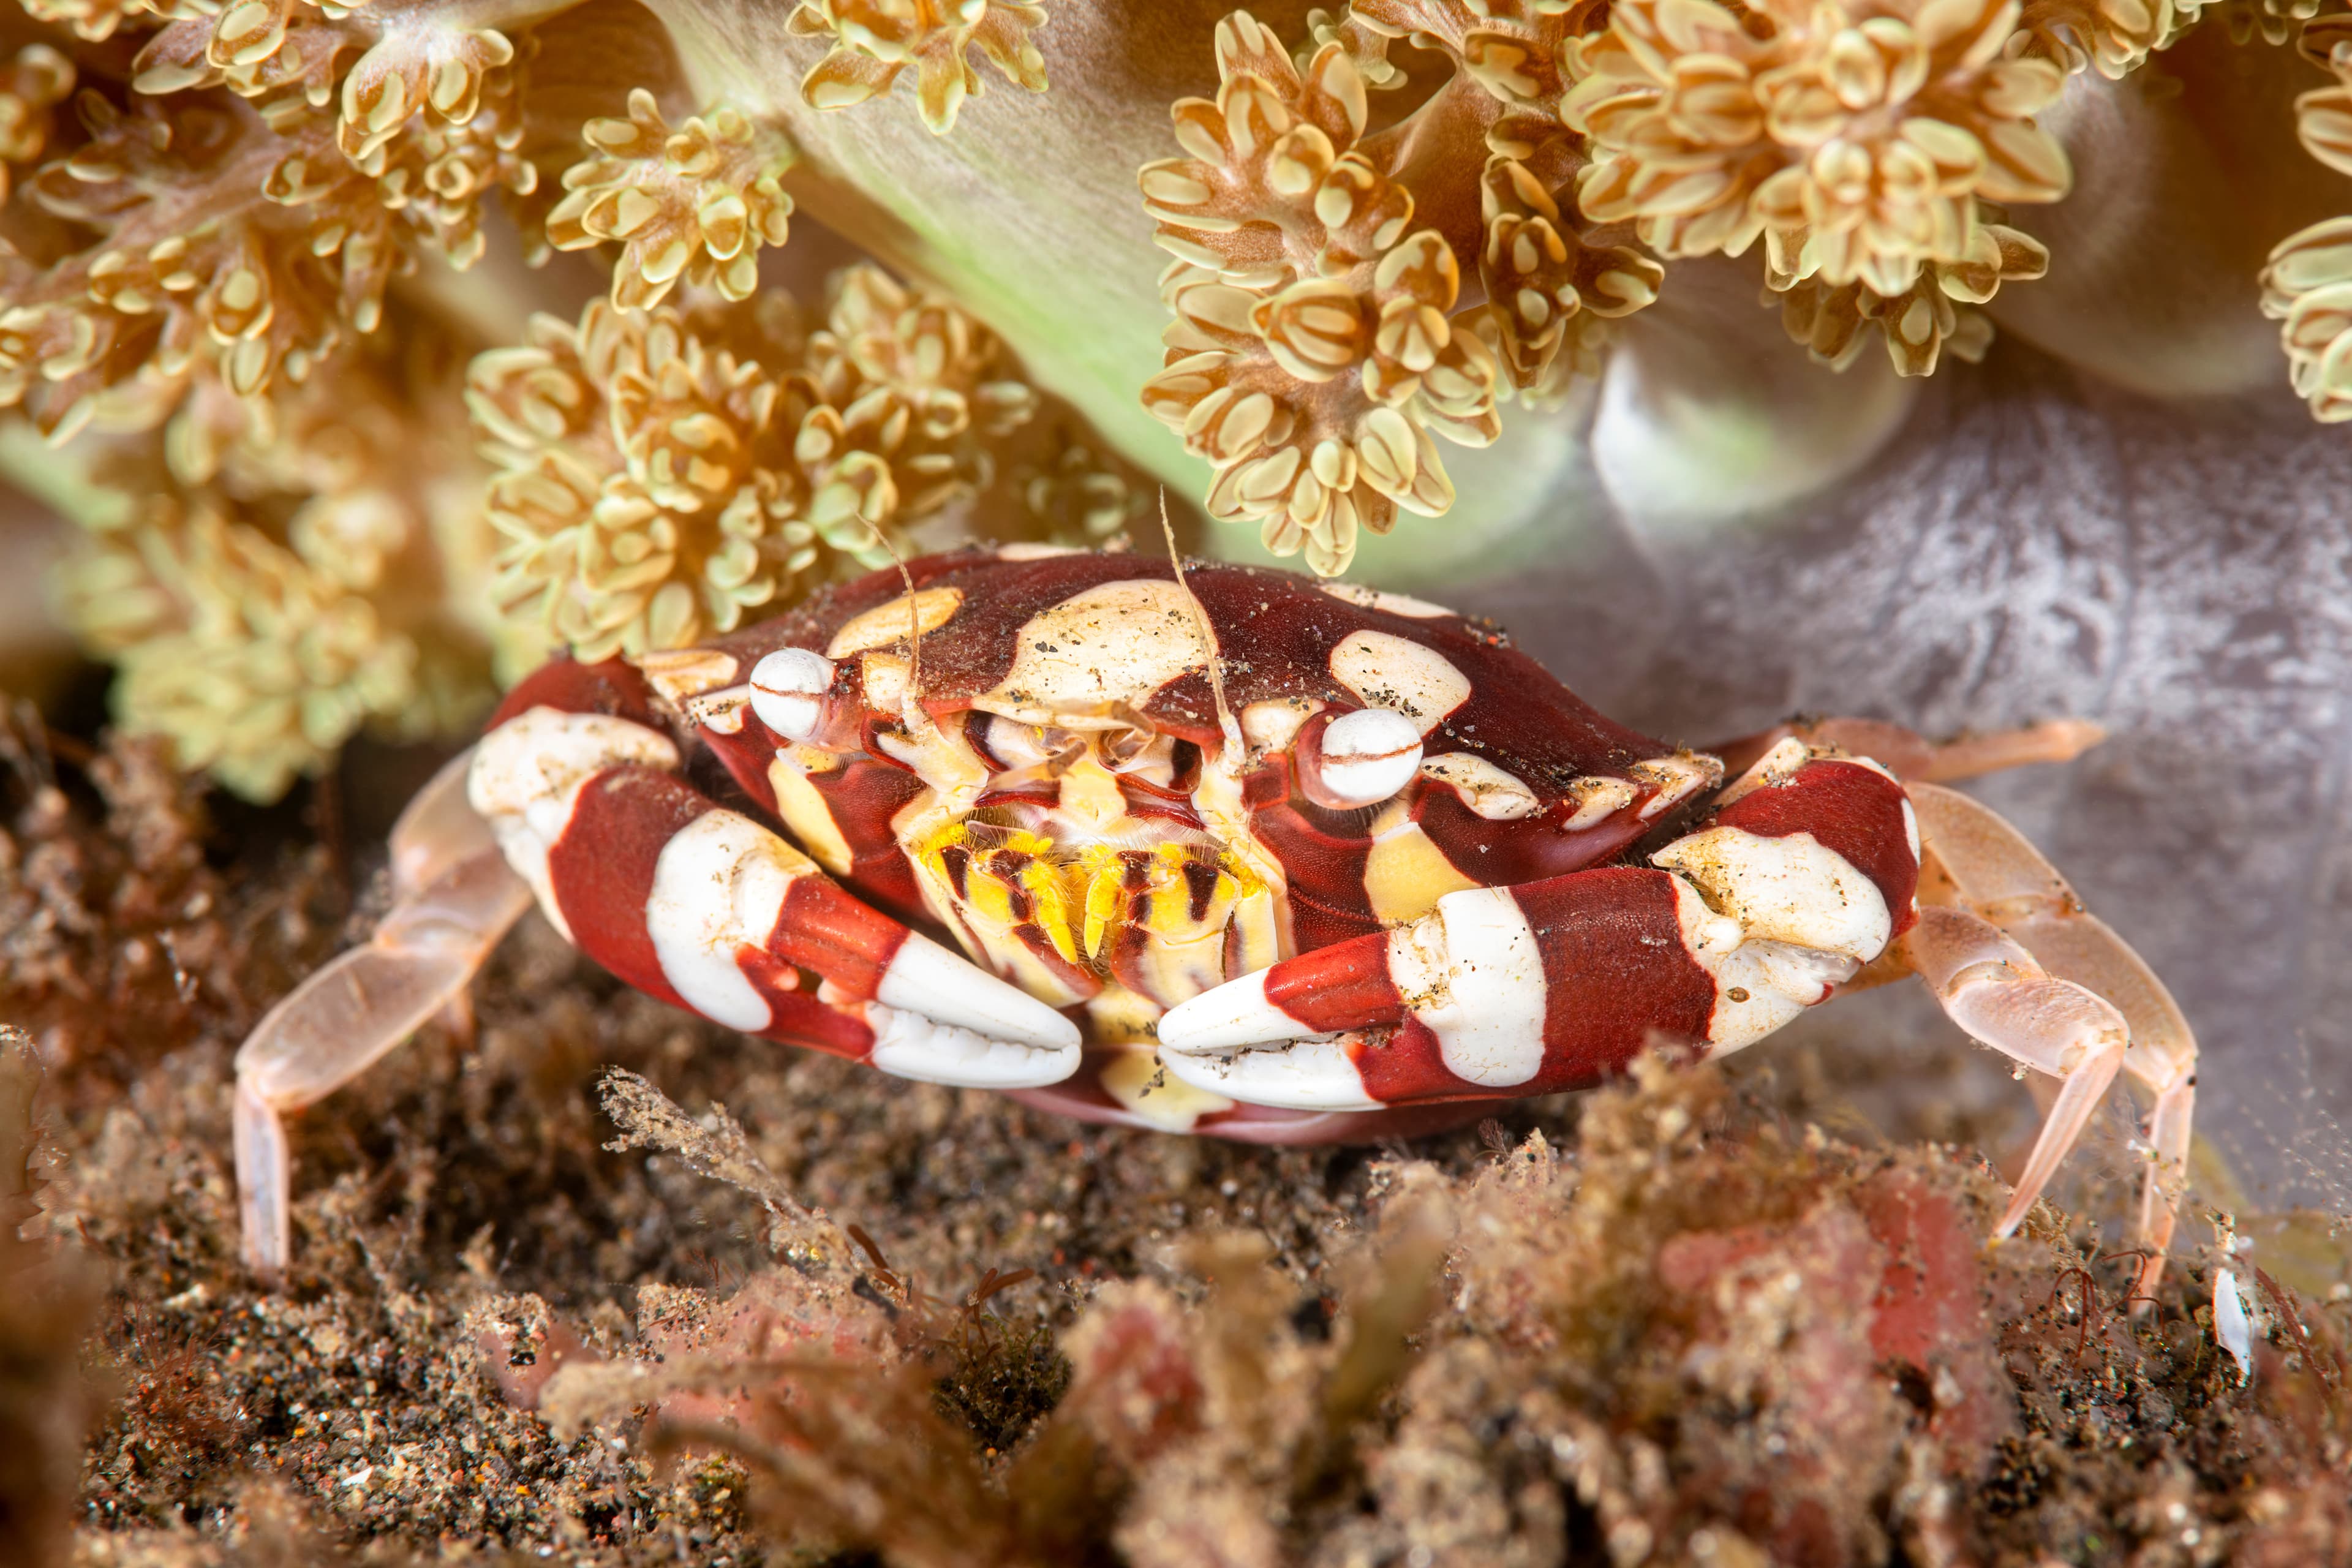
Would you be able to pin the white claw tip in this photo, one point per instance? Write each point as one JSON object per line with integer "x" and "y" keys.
{"x": 1369, "y": 755}
{"x": 926, "y": 980}
{"x": 908, "y": 1045}
{"x": 1313, "y": 1075}
{"x": 1226, "y": 1017}
{"x": 788, "y": 690}
{"x": 2230, "y": 1326}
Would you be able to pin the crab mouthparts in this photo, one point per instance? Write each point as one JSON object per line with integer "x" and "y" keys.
{"x": 1162, "y": 914}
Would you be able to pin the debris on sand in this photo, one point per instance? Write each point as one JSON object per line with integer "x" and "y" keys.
{"x": 796, "y": 1313}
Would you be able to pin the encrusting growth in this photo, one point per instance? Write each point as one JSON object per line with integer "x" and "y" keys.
{"x": 697, "y": 203}
{"x": 1320, "y": 337}
{"x": 311, "y": 562}
{"x": 874, "y": 40}
{"x": 202, "y": 257}
{"x": 659, "y": 474}
{"x": 1875, "y": 147}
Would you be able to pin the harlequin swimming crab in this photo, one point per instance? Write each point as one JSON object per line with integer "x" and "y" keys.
{"x": 1226, "y": 851}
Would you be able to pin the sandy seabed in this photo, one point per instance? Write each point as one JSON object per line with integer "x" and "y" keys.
{"x": 733, "y": 1304}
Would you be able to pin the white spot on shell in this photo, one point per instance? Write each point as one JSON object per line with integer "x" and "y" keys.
{"x": 1400, "y": 674}
{"x": 683, "y": 672}
{"x": 886, "y": 623}
{"x": 721, "y": 712}
{"x": 1031, "y": 550}
{"x": 1759, "y": 985}
{"x": 1392, "y": 604}
{"x": 1492, "y": 793}
{"x": 1596, "y": 799}
{"x": 1110, "y": 648}
{"x": 1272, "y": 726}
{"x": 527, "y": 775}
{"x": 1675, "y": 779}
{"x": 883, "y": 678}
{"x": 1773, "y": 769}
{"x": 542, "y": 753}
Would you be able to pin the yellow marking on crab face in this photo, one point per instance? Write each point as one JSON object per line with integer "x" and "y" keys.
{"x": 1001, "y": 861}
{"x": 1168, "y": 1102}
{"x": 886, "y": 624}
{"x": 1227, "y": 814}
{"x": 1192, "y": 958}
{"x": 805, "y": 813}
{"x": 984, "y": 919}
{"x": 1091, "y": 796}
{"x": 1404, "y": 872}
{"x": 1105, "y": 874}
{"x": 1049, "y": 902}
{"x": 943, "y": 838}
{"x": 989, "y": 897}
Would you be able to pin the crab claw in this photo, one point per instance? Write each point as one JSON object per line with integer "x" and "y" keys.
{"x": 1316, "y": 995}
{"x": 1282, "y": 1037}
{"x": 909, "y": 1044}
{"x": 707, "y": 908}
{"x": 1305, "y": 1075}
{"x": 939, "y": 1019}
{"x": 1465, "y": 981}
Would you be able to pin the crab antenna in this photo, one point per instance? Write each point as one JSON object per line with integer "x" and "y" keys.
{"x": 910, "y": 707}
{"x": 1226, "y": 724}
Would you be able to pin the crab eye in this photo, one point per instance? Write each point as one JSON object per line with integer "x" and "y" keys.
{"x": 1365, "y": 756}
{"x": 788, "y": 691}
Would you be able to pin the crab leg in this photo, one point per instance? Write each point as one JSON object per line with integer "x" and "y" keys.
{"x": 711, "y": 910}
{"x": 1993, "y": 987}
{"x": 1913, "y": 758}
{"x": 453, "y": 898}
{"x": 1805, "y": 873}
{"x": 1986, "y": 873}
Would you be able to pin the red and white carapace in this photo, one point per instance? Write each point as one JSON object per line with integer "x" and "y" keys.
{"x": 1226, "y": 851}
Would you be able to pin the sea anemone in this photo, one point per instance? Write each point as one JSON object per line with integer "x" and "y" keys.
{"x": 1390, "y": 224}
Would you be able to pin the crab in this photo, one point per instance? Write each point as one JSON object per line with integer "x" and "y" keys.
{"x": 1226, "y": 851}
